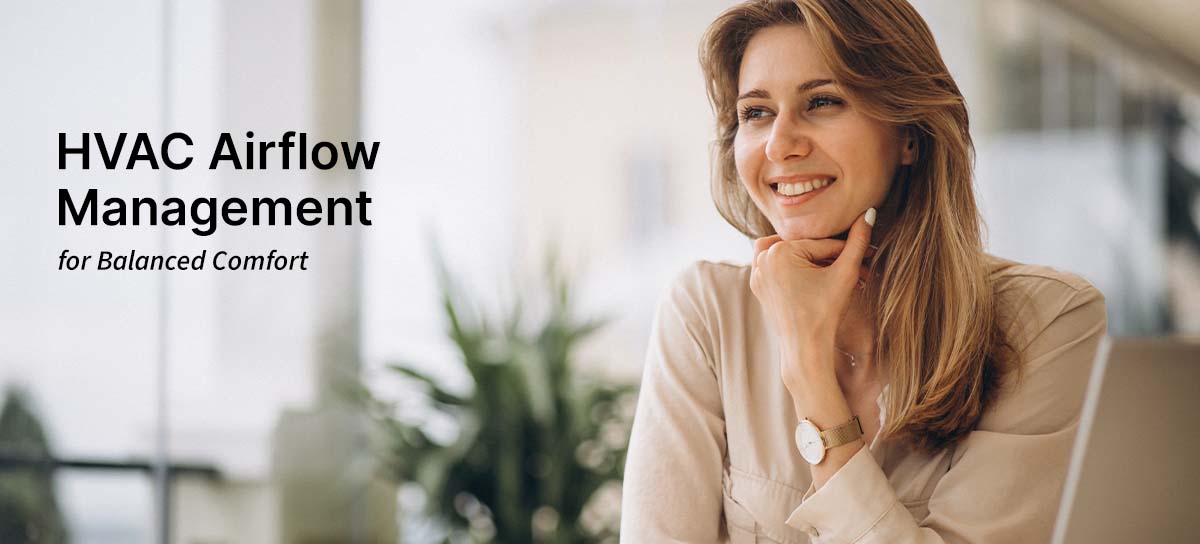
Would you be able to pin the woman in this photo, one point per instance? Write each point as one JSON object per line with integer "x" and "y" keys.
{"x": 872, "y": 375}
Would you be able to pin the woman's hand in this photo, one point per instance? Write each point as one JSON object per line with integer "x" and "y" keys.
{"x": 805, "y": 299}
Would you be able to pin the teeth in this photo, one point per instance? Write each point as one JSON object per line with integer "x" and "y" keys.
{"x": 793, "y": 189}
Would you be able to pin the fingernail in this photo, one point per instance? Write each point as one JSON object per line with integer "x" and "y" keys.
{"x": 870, "y": 216}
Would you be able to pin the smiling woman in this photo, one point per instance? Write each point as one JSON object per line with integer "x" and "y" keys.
{"x": 779, "y": 120}
{"x": 931, "y": 390}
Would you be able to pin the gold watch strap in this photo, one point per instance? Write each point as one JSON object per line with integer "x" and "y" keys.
{"x": 842, "y": 434}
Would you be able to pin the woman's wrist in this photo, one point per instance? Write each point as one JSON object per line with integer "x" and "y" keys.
{"x": 821, "y": 401}
{"x": 805, "y": 360}
{"x": 809, "y": 374}
{"x": 811, "y": 382}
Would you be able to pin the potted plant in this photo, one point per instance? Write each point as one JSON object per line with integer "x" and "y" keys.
{"x": 539, "y": 449}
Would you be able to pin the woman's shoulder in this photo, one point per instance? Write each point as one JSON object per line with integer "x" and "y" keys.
{"x": 713, "y": 282}
{"x": 1034, "y": 296}
{"x": 706, "y": 293}
{"x": 1055, "y": 320}
{"x": 1009, "y": 275}
{"x": 701, "y": 308}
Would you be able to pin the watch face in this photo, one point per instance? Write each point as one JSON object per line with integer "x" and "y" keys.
{"x": 808, "y": 441}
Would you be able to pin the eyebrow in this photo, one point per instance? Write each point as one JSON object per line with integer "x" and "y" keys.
{"x": 808, "y": 85}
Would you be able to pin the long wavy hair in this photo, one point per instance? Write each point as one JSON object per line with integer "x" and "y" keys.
{"x": 940, "y": 332}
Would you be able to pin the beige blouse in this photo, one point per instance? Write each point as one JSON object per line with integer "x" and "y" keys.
{"x": 712, "y": 458}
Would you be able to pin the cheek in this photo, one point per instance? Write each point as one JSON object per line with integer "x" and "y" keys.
{"x": 877, "y": 170}
{"x": 864, "y": 157}
{"x": 746, "y": 160}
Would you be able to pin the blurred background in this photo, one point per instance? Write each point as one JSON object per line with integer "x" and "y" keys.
{"x": 553, "y": 154}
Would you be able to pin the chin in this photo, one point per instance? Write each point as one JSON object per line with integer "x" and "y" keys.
{"x": 802, "y": 232}
{"x": 810, "y": 227}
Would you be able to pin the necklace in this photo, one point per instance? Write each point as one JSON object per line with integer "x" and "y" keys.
{"x": 853, "y": 360}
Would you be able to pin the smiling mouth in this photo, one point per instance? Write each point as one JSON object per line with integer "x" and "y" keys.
{"x": 797, "y": 189}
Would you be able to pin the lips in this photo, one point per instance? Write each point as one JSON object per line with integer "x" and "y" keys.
{"x": 793, "y": 190}
{"x": 800, "y": 187}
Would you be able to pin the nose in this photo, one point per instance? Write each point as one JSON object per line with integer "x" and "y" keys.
{"x": 787, "y": 140}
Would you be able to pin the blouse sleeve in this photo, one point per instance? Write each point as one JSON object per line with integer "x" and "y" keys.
{"x": 1006, "y": 477}
{"x": 672, "y": 485}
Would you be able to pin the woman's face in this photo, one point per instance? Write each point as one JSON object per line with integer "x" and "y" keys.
{"x": 808, "y": 158}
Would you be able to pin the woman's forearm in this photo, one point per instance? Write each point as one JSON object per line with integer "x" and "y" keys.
{"x": 817, "y": 396}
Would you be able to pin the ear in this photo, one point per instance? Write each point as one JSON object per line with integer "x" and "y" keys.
{"x": 908, "y": 153}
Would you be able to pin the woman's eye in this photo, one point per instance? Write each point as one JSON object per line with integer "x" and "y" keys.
{"x": 751, "y": 113}
{"x": 818, "y": 102}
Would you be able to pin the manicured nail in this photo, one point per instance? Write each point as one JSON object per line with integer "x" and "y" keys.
{"x": 870, "y": 216}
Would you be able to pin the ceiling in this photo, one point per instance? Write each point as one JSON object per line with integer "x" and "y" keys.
{"x": 1165, "y": 32}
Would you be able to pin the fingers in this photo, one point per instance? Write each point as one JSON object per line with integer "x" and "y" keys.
{"x": 871, "y": 250}
{"x": 761, "y": 245}
{"x": 819, "y": 251}
{"x": 822, "y": 252}
{"x": 857, "y": 245}
{"x": 765, "y": 243}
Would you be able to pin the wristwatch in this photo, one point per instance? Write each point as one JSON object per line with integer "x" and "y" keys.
{"x": 812, "y": 441}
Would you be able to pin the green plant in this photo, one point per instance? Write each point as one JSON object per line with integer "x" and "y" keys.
{"x": 28, "y": 506}
{"x": 535, "y": 442}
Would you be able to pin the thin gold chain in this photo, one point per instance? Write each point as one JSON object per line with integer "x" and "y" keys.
{"x": 853, "y": 360}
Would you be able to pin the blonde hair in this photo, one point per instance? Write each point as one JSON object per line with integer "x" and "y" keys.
{"x": 940, "y": 338}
